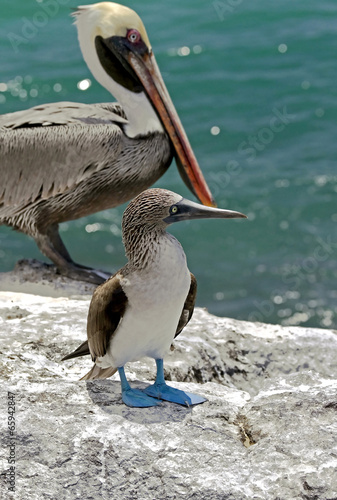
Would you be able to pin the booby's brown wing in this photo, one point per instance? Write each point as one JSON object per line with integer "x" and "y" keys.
{"x": 106, "y": 309}
{"x": 59, "y": 144}
{"x": 188, "y": 308}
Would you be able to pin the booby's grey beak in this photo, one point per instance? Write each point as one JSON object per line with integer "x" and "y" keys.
{"x": 188, "y": 210}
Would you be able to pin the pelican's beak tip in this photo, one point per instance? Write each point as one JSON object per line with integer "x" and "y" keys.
{"x": 210, "y": 203}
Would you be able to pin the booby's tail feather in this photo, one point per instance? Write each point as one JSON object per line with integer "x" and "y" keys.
{"x": 98, "y": 373}
{"x": 82, "y": 350}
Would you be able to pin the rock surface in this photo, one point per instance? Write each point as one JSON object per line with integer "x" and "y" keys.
{"x": 268, "y": 430}
{"x": 39, "y": 278}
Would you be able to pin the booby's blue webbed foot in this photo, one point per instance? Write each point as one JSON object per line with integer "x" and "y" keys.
{"x": 137, "y": 399}
{"x": 134, "y": 397}
{"x": 167, "y": 393}
{"x": 161, "y": 390}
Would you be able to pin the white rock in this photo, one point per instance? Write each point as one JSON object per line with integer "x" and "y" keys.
{"x": 268, "y": 431}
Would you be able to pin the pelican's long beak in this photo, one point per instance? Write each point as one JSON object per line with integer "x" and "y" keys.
{"x": 127, "y": 64}
{"x": 187, "y": 210}
{"x": 149, "y": 74}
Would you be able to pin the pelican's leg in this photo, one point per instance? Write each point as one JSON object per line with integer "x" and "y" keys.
{"x": 52, "y": 246}
{"x": 134, "y": 397}
{"x": 161, "y": 390}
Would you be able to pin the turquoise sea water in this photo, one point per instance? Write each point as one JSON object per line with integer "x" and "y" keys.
{"x": 254, "y": 83}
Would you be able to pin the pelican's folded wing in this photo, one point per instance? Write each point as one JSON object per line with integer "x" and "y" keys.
{"x": 49, "y": 149}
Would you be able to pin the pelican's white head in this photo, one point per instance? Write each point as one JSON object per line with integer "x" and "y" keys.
{"x": 105, "y": 21}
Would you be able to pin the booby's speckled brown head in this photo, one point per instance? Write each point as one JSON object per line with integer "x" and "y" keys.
{"x": 149, "y": 208}
{"x": 143, "y": 224}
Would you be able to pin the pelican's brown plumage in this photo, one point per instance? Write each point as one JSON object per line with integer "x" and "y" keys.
{"x": 62, "y": 161}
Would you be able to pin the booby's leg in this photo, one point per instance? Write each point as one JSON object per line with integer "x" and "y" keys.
{"x": 134, "y": 397}
{"x": 161, "y": 390}
{"x": 52, "y": 246}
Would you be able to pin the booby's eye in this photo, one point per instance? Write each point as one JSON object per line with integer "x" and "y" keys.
{"x": 174, "y": 209}
{"x": 133, "y": 36}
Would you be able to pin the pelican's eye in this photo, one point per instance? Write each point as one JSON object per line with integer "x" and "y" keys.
{"x": 133, "y": 36}
{"x": 174, "y": 209}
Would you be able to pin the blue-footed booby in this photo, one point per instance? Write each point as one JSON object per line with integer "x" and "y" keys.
{"x": 144, "y": 306}
{"x": 66, "y": 160}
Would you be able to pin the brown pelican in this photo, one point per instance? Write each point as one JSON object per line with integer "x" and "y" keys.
{"x": 139, "y": 310}
{"x": 62, "y": 161}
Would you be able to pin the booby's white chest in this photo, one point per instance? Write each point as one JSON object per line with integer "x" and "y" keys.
{"x": 156, "y": 297}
